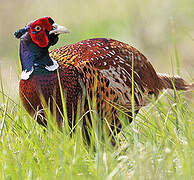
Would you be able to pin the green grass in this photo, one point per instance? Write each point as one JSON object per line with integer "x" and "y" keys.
{"x": 163, "y": 148}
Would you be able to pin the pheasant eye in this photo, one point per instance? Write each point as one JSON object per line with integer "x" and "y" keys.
{"x": 37, "y": 28}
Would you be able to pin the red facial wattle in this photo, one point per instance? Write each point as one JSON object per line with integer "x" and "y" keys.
{"x": 40, "y": 37}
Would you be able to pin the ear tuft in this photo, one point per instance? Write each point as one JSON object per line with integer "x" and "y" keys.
{"x": 20, "y": 32}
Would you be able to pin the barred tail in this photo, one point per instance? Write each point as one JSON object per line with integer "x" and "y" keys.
{"x": 169, "y": 82}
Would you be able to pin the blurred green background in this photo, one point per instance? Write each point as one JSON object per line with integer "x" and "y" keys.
{"x": 154, "y": 27}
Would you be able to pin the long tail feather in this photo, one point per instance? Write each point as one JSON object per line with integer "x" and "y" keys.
{"x": 169, "y": 82}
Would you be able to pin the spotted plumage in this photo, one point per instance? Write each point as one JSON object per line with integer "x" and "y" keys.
{"x": 96, "y": 69}
{"x": 109, "y": 62}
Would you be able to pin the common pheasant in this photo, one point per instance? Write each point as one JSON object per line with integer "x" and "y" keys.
{"x": 97, "y": 69}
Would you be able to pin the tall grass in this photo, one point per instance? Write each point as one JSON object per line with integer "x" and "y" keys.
{"x": 164, "y": 151}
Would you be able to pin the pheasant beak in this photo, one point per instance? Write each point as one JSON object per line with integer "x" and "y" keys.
{"x": 57, "y": 29}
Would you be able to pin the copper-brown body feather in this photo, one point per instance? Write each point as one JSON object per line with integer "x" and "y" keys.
{"x": 101, "y": 68}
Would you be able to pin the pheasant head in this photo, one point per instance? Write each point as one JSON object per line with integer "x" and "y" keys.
{"x": 43, "y": 32}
